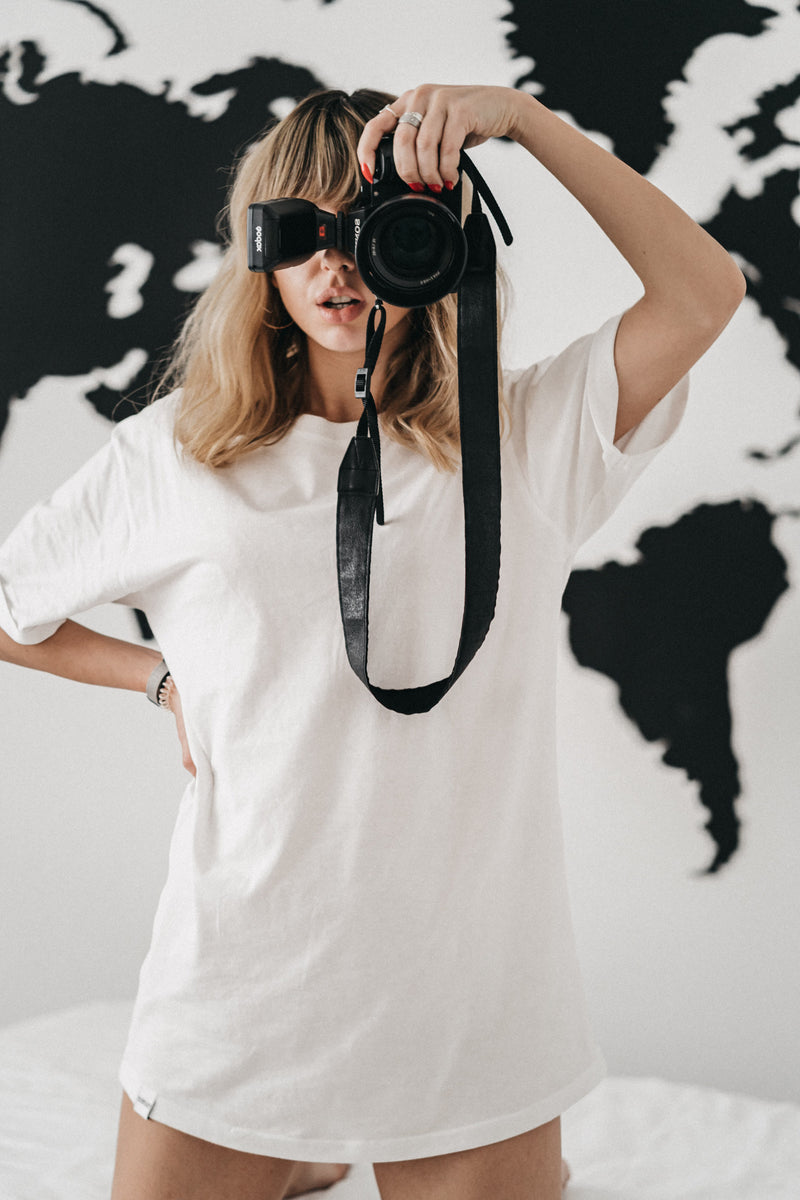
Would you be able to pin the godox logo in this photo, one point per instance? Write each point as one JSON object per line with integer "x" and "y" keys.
{"x": 258, "y": 238}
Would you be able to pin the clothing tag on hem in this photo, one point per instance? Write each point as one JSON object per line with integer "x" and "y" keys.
{"x": 144, "y": 1104}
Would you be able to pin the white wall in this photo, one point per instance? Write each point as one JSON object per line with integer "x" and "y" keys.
{"x": 690, "y": 977}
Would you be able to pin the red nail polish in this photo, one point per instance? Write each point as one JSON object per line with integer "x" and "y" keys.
{"x": 417, "y": 187}
{"x": 365, "y": 171}
{"x": 449, "y": 185}
{"x": 435, "y": 187}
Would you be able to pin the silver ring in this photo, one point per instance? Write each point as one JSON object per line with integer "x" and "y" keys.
{"x": 388, "y": 108}
{"x": 410, "y": 118}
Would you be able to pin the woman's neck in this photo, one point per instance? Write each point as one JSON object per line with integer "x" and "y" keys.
{"x": 332, "y": 375}
{"x": 331, "y": 384}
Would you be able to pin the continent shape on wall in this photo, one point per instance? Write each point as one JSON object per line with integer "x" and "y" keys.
{"x": 664, "y": 628}
{"x": 763, "y": 229}
{"x": 610, "y": 65}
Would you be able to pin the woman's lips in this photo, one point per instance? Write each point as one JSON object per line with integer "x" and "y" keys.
{"x": 343, "y": 315}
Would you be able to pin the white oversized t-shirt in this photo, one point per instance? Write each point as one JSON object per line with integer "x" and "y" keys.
{"x": 363, "y": 948}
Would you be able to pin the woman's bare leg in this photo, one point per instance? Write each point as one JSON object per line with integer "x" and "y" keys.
{"x": 527, "y": 1167}
{"x": 155, "y": 1162}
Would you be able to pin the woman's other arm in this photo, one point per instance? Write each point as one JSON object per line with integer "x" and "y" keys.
{"x": 75, "y": 652}
{"x": 692, "y": 287}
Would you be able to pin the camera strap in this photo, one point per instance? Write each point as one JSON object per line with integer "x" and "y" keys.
{"x": 360, "y": 500}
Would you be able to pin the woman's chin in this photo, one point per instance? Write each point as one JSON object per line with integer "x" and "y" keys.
{"x": 350, "y": 338}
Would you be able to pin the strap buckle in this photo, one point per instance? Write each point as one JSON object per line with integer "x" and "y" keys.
{"x": 362, "y": 383}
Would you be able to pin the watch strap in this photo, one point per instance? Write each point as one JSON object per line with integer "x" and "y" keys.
{"x": 158, "y": 677}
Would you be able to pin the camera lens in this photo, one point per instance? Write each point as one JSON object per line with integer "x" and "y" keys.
{"x": 413, "y": 247}
{"x": 411, "y": 251}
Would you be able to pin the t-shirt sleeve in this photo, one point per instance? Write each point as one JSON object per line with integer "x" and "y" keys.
{"x": 563, "y": 412}
{"x": 93, "y": 541}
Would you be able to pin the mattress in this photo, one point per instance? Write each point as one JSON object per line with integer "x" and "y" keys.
{"x": 630, "y": 1139}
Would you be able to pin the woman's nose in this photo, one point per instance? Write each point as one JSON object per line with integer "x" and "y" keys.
{"x": 336, "y": 260}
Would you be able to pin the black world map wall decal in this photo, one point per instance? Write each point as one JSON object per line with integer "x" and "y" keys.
{"x": 113, "y": 167}
{"x": 130, "y": 183}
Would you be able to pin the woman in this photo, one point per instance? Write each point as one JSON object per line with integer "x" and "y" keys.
{"x": 363, "y": 950}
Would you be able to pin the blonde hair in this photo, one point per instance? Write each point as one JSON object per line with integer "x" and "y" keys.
{"x": 241, "y": 361}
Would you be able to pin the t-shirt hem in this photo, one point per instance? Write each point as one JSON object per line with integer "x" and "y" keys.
{"x": 159, "y": 1107}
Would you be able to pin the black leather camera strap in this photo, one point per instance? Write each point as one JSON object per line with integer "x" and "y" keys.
{"x": 360, "y": 500}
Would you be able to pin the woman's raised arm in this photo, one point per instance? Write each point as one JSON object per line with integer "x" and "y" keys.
{"x": 692, "y": 287}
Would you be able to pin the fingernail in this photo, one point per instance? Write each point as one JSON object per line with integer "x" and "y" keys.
{"x": 435, "y": 187}
{"x": 449, "y": 185}
{"x": 365, "y": 171}
{"x": 417, "y": 187}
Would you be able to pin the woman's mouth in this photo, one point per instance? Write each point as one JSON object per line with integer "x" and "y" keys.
{"x": 340, "y": 310}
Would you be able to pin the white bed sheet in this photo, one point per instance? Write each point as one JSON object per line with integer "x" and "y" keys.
{"x": 630, "y": 1139}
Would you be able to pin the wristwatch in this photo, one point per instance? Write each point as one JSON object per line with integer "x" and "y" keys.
{"x": 160, "y": 685}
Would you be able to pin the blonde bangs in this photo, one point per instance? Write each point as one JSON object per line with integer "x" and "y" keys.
{"x": 240, "y": 360}
{"x": 318, "y": 160}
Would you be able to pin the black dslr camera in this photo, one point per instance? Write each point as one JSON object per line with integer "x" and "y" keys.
{"x": 409, "y": 248}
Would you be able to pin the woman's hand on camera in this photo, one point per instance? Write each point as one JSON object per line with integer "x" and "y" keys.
{"x": 453, "y": 118}
{"x": 176, "y": 708}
